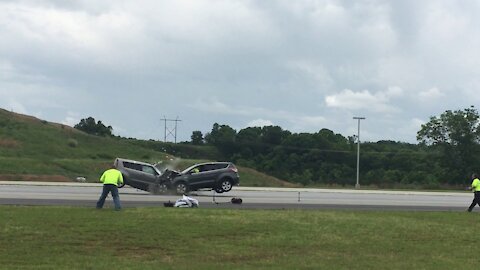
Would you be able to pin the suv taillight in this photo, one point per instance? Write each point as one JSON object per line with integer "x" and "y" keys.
{"x": 233, "y": 168}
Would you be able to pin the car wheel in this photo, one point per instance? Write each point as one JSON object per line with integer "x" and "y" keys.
{"x": 162, "y": 188}
{"x": 157, "y": 188}
{"x": 181, "y": 188}
{"x": 226, "y": 185}
{"x": 153, "y": 188}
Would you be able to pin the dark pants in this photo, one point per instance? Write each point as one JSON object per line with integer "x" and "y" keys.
{"x": 116, "y": 198}
{"x": 476, "y": 200}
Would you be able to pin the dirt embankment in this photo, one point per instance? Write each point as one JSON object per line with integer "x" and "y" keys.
{"x": 9, "y": 143}
{"x": 36, "y": 178}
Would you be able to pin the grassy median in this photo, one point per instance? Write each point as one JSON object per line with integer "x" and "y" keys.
{"x": 170, "y": 238}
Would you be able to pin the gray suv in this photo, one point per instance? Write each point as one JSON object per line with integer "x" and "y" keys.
{"x": 219, "y": 176}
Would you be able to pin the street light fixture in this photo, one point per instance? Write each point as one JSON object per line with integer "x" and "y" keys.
{"x": 357, "y": 185}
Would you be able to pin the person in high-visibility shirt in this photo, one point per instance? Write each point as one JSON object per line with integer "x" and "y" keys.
{"x": 110, "y": 179}
{"x": 476, "y": 189}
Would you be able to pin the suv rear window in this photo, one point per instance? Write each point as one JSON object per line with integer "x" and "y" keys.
{"x": 214, "y": 166}
{"x": 218, "y": 166}
{"x": 132, "y": 166}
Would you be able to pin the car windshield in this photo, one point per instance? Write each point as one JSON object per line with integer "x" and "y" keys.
{"x": 160, "y": 169}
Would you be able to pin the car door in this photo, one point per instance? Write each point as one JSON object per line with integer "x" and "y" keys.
{"x": 214, "y": 171}
{"x": 140, "y": 175}
{"x": 149, "y": 174}
{"x": 207, "y": 176}
{"x": 198, "y": 176}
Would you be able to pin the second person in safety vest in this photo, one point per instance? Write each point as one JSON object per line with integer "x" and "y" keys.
{"x": 476, "y": 189}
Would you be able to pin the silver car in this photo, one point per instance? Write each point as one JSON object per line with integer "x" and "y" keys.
{"x": 141, "y": 175}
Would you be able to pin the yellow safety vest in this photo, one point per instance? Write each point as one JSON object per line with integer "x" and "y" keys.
{"x": 476, "y": 185}
{"x": 112, "y": 177}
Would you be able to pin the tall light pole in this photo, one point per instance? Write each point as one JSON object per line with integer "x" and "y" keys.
{"x": 357, "y": 185}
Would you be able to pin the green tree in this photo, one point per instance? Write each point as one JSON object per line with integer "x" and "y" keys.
{"x": 273, "y": 135}
{"x": 89, "y": 126}
{"x": 197, "y": 137}
{"x": 456, "y": 134}
{"x": 223, "y": 137}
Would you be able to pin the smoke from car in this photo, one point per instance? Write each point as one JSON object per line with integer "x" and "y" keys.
{"x": 171, "y": 163}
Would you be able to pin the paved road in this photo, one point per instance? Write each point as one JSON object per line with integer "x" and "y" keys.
{"x": 82, "y": 194}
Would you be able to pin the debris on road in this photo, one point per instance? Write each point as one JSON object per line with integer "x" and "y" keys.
{"x": 81, "y": 179}
{"x": 186, "y": 202}
{"x": 237, "y": 200}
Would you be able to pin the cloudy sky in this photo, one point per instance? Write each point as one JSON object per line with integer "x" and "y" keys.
{"x": 303, "y": 65}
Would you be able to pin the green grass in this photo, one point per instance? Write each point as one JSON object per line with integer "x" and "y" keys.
{"x": 168, "y": 238}
{"x": 32, "y": 149}
{"x": 31, "y": 146}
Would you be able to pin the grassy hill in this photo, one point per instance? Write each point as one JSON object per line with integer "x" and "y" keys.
{"x": 34, "y": 149}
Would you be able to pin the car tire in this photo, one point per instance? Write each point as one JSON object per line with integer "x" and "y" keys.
{"x": 153, "y": 188}
{"x": 226, "y": 185}
{"x": 157, "y": 189}
{"x": 181, "y": 188}
{"x": 162, "y": 188}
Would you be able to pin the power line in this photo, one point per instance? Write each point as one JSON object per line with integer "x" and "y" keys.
{"x": 170, "y": 130}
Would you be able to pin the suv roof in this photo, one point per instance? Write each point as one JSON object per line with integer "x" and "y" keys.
{"x": 131, "y": 161}
{"x": 207, "y": 163}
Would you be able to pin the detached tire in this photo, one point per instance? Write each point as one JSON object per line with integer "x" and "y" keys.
{"x": 181, "y": 188}
{"x": 226, "y": 185}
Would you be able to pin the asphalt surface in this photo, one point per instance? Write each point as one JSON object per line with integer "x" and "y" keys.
{"x": 86, "y": 194}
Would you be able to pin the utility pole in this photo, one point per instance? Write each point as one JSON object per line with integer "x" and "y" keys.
{"x": 357, "y": 185}
{"x": 168, "y": 131}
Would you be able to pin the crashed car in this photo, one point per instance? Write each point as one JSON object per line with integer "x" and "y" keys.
{"x": 219, "y": 176}
{"x": 141, "y": 175}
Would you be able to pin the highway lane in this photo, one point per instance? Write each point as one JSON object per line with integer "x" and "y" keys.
{"x": 86, "y": 194}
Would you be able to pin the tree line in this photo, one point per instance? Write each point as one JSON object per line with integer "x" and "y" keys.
{"x": 445, "y": 155}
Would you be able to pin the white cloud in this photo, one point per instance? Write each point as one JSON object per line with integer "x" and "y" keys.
{"x": 432, "y": 93}
{"x": 296, "y": 121}
{"x": 364, "y": 100}
{"x": 317, "y": 121}
{"x": 416, "y": 123}
{"x": 213, "y": 105}
{"x": 17, "y": 107}
{"x": 71, "y": 119}
{"x": 260, "y": 123}
{"x": 310, "y": 123}
{"x": 316, "y": 71}
{"x": 394, "y": 91}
